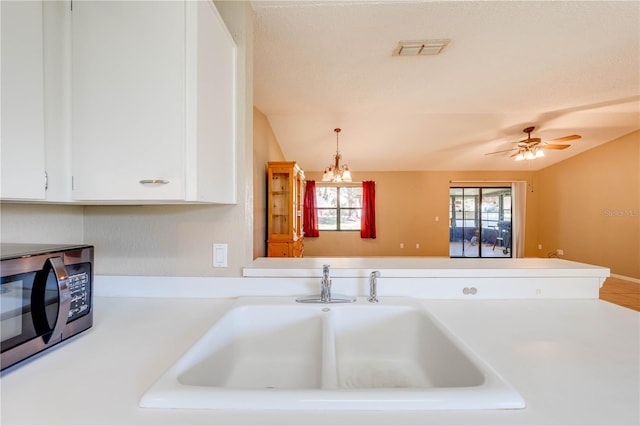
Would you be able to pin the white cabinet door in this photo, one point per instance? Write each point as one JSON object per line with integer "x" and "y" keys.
{"x": 128, "y": 100}
{"x": 57, "y": 99}
{"x": 22, "y": 144}
{"x": 211, "y": 106}
{"x": 153, "y": 103}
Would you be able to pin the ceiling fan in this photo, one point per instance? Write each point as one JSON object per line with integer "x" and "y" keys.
{"x": 531, "y": 148}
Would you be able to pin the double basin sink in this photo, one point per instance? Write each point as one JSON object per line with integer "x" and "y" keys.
{"x": 273, "y": 353}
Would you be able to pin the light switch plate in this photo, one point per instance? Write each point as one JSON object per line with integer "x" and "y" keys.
{"x": 219, "y": 255}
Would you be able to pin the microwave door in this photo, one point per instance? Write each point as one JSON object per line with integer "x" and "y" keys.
{"x": 51, "y": 300}
{"x": 34, "y": 307}
{"x": 45, "y": 297}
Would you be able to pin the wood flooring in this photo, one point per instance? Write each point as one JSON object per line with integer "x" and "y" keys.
{"x": 621, "y": 292}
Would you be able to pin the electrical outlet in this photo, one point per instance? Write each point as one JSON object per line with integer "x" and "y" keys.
{"x": 401, "y": 245}
{"x": 539, "y": 246}
{"x": 417, "y": 245}
{"x": 560, "y": 252}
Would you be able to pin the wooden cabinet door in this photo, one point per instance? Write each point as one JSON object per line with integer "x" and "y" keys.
{"x": 280, "y": 198}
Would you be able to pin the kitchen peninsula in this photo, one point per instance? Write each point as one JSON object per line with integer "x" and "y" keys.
{"x": 574, "y": 359}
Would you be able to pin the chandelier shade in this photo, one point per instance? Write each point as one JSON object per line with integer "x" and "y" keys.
{"x": 336, "y": 172}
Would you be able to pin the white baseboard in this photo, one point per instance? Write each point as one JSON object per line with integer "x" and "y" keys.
{"x": 622, "y": 277}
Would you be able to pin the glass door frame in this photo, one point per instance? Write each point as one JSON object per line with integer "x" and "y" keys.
{"x": 480, "y": 222}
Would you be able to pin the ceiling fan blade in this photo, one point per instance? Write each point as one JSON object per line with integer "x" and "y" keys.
{"x": 555, "y": 146}
{"x": 565, "y": 139}
{"x": 504, "y": 150}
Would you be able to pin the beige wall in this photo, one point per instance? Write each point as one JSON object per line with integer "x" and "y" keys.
{"x": 590, "y": 206}
{"x": 265, "y": 148}
{"x": 407, "y": 204}
{"x": 41, "y": 223}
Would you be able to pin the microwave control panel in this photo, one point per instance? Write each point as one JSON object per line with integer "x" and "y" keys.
{"x": 80, "y": 289}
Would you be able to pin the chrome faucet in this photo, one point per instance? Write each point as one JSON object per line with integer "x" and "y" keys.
{"x": 373, "y": 286}
{"x": 325, "y": 292}
{"x": 325, "y": 285}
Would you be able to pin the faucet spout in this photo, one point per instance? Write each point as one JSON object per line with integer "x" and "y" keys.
{"x": 373, "y": 286}
{"x": 325, "y": 292}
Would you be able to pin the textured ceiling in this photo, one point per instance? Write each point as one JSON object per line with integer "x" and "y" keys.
{"x": 564, "y": 67}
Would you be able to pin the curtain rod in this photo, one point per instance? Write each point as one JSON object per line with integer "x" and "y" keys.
{"x": 486, "y": 181}
{"x": 338, "y": 183}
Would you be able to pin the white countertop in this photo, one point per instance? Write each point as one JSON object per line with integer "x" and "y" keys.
{"x": 573, "y": 361}
{"x": 417, "y": 267}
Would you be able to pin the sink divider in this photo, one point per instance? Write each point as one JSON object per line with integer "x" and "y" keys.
{"x": 329, "y": 367}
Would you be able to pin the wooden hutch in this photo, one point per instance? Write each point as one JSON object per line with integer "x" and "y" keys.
{"x": 285, "y": 182}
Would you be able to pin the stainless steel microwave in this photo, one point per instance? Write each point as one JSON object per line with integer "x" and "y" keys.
{"x": 46, "y": 294}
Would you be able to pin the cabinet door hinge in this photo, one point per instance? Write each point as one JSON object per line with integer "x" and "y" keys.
{"x": 46, "y": 180}
{"x": 73, "y": 186}
{"x": 71, "y": 5}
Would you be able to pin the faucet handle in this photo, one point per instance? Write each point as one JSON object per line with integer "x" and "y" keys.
{"x": 373, "y": 286}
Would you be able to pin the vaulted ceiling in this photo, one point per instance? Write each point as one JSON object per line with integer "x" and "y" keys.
{"x": 565, "y": 67}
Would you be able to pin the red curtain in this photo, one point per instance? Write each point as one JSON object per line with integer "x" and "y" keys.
{"x": 310, "y": 215}
{"x": 368, "y": 220}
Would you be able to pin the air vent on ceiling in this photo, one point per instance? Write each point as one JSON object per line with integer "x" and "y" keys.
{"x": 420, "y": 47}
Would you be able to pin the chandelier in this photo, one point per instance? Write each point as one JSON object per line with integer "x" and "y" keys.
{"x": 335, "y": 172}
{"x": 529, "y": 153}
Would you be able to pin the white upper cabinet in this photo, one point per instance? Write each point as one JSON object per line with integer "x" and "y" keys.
{"x": 153, "y": 103}
{"x": 22, "y": 143}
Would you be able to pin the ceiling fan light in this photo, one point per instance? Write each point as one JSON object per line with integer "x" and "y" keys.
{"x": 520, "y": 156}
{"x": 529, "y": 155}
{"x": 539, "y": 153}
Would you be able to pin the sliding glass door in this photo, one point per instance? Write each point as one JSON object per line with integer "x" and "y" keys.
{"x": 480, "y": 222}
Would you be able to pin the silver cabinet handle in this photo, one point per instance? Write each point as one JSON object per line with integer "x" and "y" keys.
{"x": 154, "y": 181}
{"x": 64, "y": 295}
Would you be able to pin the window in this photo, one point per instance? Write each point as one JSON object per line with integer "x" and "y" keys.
{"x": 339, "y": 207}
{"x": 480, "y": 222}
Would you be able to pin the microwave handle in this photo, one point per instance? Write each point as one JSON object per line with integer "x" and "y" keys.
{"x": 64, "y": 295}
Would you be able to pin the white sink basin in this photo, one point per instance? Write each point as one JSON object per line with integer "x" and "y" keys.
{"x": 397, "y": 346}
{"x": 258, "y": 347}
{"x": 273, "y": 353}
